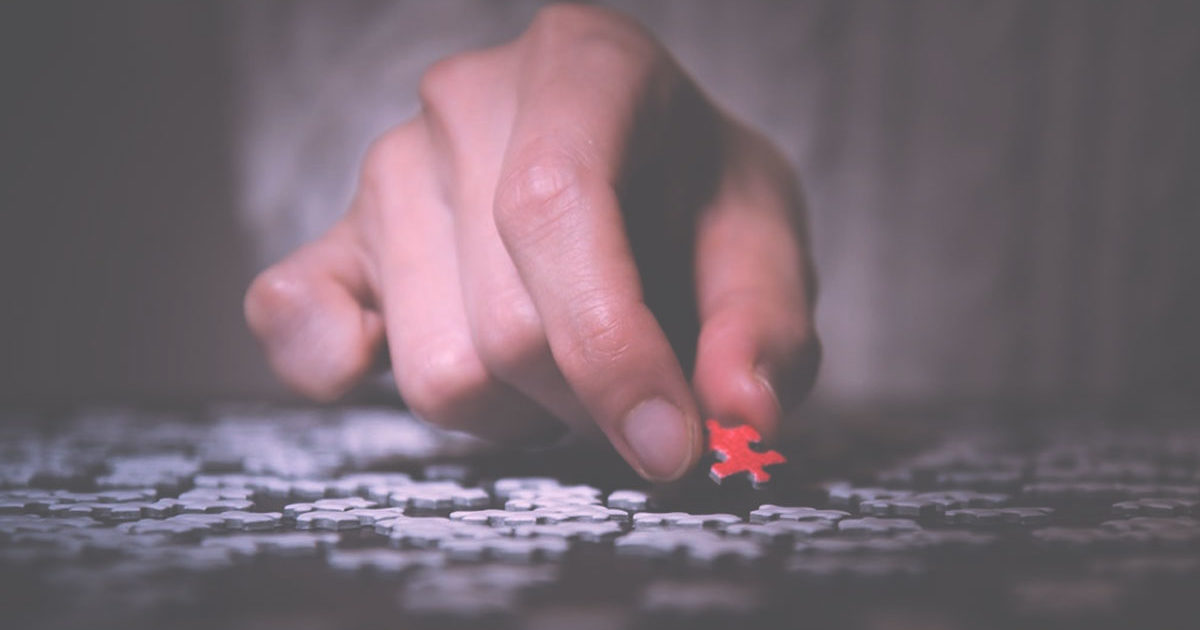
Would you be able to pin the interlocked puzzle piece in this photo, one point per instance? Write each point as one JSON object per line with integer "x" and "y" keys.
{"x": 732, "y": 448}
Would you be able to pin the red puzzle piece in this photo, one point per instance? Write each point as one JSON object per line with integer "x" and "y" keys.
{"x": 732, "y": 447}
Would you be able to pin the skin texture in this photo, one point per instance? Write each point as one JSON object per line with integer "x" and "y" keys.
{"x": 566, "y": 231}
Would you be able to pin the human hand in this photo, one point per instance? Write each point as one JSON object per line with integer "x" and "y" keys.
{"x": 566, "y": 226}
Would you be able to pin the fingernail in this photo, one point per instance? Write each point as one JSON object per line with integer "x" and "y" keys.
{"x": 763, "y": 375}
{"x": 660, "y": 438}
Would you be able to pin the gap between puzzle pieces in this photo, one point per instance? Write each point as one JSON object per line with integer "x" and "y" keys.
{"x": 731, "y": 445}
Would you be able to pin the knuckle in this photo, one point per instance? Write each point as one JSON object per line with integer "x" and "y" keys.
{"x": 510, "y": 337}
{"x": 537, "y": 194}
{"x": 439, "y": 387}
{"x": 600, "y": 337}
{"x": 567, "y": 20}
{"x": 443, "y": 83}
{"x": 591, "y": 34}
{"x": 390, "y": 172}
{"x": 558, "y": 18}
{"x": 379, "y": 165}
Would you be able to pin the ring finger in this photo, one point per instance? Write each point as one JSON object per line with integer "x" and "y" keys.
{"x": 437, "y": 369}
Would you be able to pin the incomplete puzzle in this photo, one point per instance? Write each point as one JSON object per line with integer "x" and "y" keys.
{"x": 223, "y": 519}
{"x": 732, "y": 448}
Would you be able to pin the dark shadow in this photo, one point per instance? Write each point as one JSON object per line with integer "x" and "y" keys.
{"x": 123, "y": 265}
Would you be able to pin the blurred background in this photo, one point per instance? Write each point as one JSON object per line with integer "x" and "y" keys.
{"x": 1003, "y": 196}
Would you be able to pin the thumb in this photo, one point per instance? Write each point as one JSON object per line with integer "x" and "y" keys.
{"x": 758, "y": 353}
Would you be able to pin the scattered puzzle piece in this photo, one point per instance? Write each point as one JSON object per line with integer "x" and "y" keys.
{"x": 383, "y": 561}
{"x": 769, "y": 512}
{"x": 732, "y": 448}
{"x": 629, "y": 500}
{"x": 1103, "y": 508}
{"x": 698, "y": 600}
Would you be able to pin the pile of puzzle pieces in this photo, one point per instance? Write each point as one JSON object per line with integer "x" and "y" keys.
{"x": 119, "y": 514}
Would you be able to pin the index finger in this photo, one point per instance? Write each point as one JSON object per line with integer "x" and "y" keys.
{"x": 559, "y": 217}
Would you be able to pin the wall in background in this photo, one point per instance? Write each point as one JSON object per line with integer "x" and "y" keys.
{"x": 121, "y": 263}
